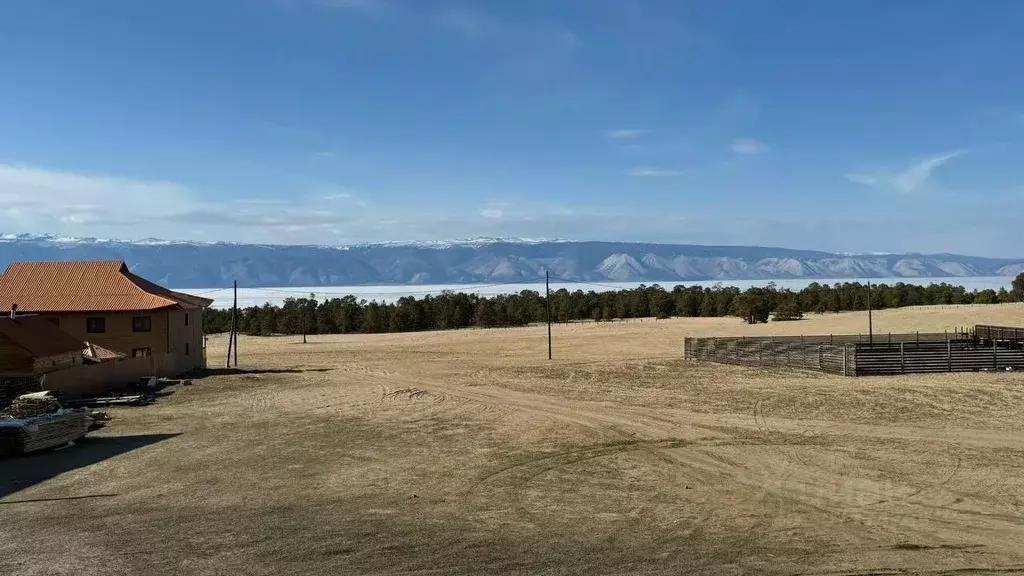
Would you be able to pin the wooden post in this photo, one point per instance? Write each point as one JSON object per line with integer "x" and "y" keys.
{"x": 231, "y": 334}
{"x": 845, "y": 349}
{"x": 547, "y": 290}
{"x": 949, "y": 356}
{"x": 995, "y": 355}
{"x": 871, "y": 332}
{"x": 235, "y": 320}
{"x": 903, "y": 360}
{"x": 819, "y": 357}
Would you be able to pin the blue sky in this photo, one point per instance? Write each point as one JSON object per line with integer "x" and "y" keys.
{"x": 840, "y": 125}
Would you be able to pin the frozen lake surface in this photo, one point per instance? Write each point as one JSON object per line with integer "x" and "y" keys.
{"x": 259, "y": 296}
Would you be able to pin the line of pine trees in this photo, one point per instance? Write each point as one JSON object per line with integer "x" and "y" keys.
{"x": 450, "y": 310}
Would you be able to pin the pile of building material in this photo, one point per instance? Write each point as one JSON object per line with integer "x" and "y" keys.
{"x": 32, "y": 404}
{"x": 11, "y": 389}
{"x": 37, "y": 422}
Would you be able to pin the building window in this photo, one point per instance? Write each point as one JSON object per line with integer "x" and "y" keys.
{"x": 55, "y": 321}
{"x": 142, "y": 324}
{"x": 186, "y": 348}
{"x": 186, "y": 318}
{"x": 141, "y": 352}
{"x": 95, "y": 325}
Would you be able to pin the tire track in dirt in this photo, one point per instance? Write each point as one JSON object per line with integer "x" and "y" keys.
{"x": 805, "y": 485}
{"x": 596, "y": 424}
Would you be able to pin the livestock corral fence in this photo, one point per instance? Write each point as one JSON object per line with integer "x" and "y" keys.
{"x": 982, "y": 348}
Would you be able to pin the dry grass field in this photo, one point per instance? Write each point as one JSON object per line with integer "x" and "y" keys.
{"x": 468, "y": 452}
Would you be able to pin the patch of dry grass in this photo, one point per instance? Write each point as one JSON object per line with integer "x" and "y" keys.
{"x": 469, "y": 452}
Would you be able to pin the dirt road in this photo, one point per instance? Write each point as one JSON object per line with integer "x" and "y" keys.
{"x": 469, "y": 453}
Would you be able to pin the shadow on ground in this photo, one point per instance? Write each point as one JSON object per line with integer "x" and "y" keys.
{"x": 235, "y": 371}
{"x": 28, "y": 470}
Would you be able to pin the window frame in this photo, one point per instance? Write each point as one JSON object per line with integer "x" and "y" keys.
{"x": 142, "y": 352}
{"x": 145, "y": 321}
{"x": 89, "y": 324}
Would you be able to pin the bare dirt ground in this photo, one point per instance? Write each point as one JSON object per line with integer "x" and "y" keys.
{"x": 469, "y": 453}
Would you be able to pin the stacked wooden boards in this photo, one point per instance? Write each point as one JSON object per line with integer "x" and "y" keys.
{"x": 37, "y": 422}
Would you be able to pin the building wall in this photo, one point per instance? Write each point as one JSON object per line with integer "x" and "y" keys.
{"x": 14, "y": 359}
{"x": 119, "y": 335}
{"x": 59, "y": 362}
{"x": 171, "y": 334}
{"x": 186, "y": 338}
{"x": 106, "y": 377}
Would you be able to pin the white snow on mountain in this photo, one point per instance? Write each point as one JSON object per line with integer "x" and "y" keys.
{"x": 186, "y": 264}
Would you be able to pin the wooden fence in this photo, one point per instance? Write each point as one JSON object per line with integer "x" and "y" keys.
{"x": 851, "y": 356}
{"x": 937, "y": 356}
{"x": 814, "y": 353}
{"x": 984, "y": 332}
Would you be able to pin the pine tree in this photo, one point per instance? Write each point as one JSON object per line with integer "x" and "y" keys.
{"x": 1017, "y": 290}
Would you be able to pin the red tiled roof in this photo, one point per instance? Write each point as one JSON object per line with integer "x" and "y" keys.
{"x": 39, "y": 336}
{"x": 97, "y": 352}
{"x": 85, "y": 287}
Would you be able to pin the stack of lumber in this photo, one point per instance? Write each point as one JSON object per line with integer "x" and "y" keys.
{"x": 37, "y": 422}
{"x": 126, "y": 400}
{"x": 29, "y": 405}
{"x": 54, "y": 430}
{"x": 20, "y": 435}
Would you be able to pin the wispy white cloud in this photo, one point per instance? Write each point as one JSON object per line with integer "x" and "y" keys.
{"x": 330, "y": 192}
{"x": 652, "y": 172}
{"x": 912, "y": 178}
{"x": 748, "y": 146}
{"x": 326, "y": 155}
{"x": 626, "y": 134}
{"x": 46, "y": 200}
{"x": 497, "y": 210}
{"x": 865, "y": 179}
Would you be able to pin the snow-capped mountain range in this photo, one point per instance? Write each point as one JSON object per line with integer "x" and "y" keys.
{"x": 184, "y": 264}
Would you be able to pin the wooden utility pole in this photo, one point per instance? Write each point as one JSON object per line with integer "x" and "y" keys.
{"x": 234, "y": 322}
{"x": 231, "y": 337}
{"x": 871, "y": 336}
{"x": 547, "y": 289}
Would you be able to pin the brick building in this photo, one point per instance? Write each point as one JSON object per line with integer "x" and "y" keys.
{"x": 105, "y": 304}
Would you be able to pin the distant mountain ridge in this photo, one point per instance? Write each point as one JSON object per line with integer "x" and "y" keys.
{"x": 181, "y": 264}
